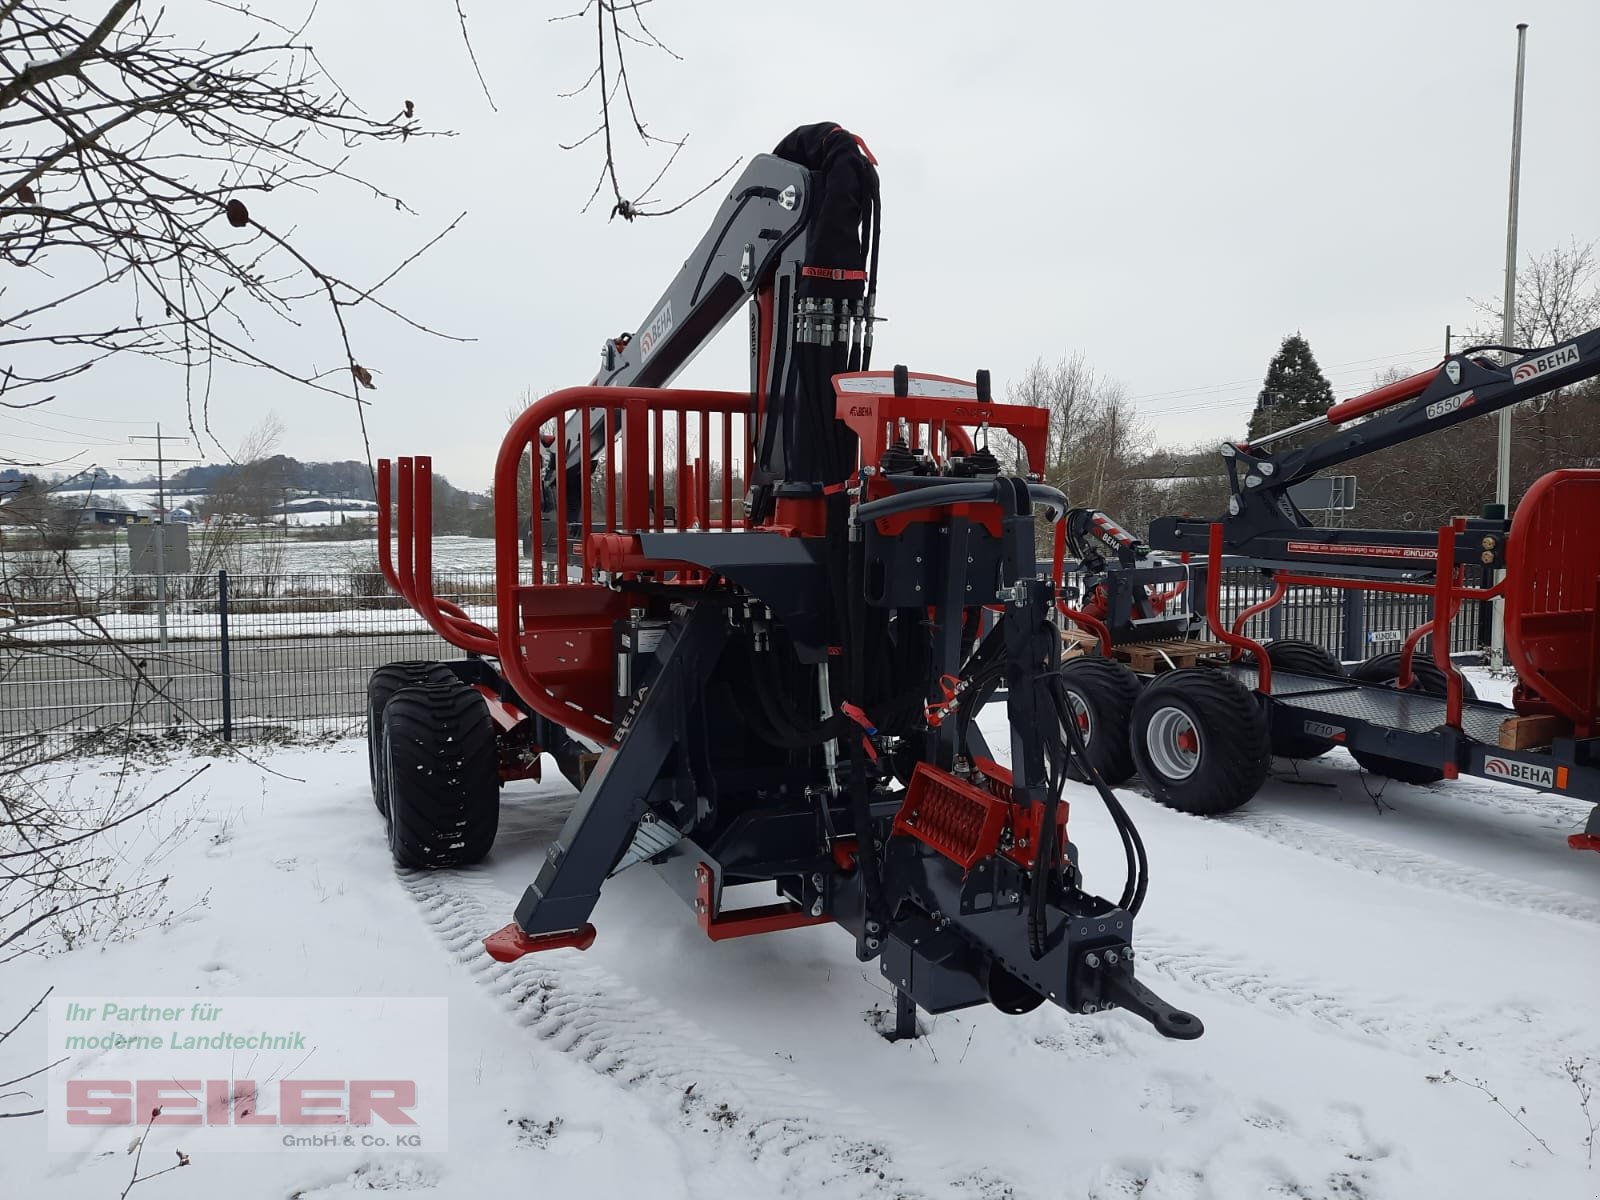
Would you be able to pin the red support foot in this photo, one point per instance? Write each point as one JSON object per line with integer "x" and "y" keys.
{"x": 1584, "y": 841}
{"x": 510, "y": 943}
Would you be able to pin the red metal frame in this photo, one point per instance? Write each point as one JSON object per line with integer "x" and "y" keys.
{"x": 1026, "y": 823}
{"x": 743, "y": 922}
{"x": 554, "y": 636}
{"x": 1238, "y": 642}
{"x": 448, "y": 620}
{"x": 1259, "y": 607}
{"x": 873, "y": 417}
{"x": 1552, "y": 614}
{"x": 469, "y": 635}
{"x": 1447, "y": 590}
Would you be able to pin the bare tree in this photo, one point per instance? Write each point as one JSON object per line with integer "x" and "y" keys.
{"x": 139, "y": 173}
{"x": 1094, "y": 433}
{"x": 1423, "y": 483}
{"x": 237, "y": 503}
{"x": 1558, "y": 297}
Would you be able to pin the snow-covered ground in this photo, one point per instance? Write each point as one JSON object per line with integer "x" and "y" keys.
{"x": 1345, "y": 953}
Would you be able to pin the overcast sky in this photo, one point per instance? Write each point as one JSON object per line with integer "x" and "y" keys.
{"x": 1168, "y": 187}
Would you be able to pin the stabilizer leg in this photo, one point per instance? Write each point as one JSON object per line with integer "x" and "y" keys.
{"x": 602, "y": 824}
{"x": 905, "y": 1017}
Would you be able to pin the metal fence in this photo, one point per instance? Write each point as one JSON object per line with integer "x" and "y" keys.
{"x": 1351, "y": 625}
{"x": 246, "y": 656}
{"x": 251, "y": 656}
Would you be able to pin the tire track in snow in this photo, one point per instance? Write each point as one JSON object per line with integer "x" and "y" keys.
{"x": 795, "y": 1133}
{"x": 1216, "y": 971}
{"x": 1413, "y": 866}
{"x": 1524, "y": 1031}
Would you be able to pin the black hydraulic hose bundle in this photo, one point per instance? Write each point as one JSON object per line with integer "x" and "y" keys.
{"x": 860, "y": 803}
{"x": 1138, "y": 879}
{"x": 942, "y": 495}
{"x": 1045, "y": 852}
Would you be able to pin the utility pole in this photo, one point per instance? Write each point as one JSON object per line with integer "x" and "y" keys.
{"x": 160, "y": 535}
{"x": 1502, "y": 483}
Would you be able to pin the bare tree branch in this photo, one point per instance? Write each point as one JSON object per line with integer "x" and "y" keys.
{"x": 130, "y": 161}
{"x": 611, "y": 76}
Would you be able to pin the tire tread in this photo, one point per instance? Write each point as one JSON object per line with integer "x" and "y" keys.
{"x": 1235, "y": 748}
{"x": 1110, "y": 690}
{"x": 444, "y": 780}
{"x": 1302, "y": 658}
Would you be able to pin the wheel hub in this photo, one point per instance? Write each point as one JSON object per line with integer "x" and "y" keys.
{"x": 1173, "y": 743}
{"x": 1081, "y": 711}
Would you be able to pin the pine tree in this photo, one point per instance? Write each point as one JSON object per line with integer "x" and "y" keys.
{"x": 1294, "y": 390}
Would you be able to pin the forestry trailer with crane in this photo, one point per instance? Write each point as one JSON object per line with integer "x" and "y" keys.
{"x": 783, "y": 689}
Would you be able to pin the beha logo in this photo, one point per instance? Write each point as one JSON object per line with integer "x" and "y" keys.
{"x": 660, "y": 326}
{"x": 1530, "y": 368}
{"x": 1516, "y": 771}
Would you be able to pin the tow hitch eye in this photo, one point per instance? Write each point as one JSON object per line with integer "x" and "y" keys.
{"x": 1104, "y": 979}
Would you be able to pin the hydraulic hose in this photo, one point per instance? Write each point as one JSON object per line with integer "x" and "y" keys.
{"x": 1138, "y": 878}
{"x": 860, "y": 802}
{"x": 1045, "y": 853}
{"x": 794, "y": 730}
{"x": 966, "y": 491}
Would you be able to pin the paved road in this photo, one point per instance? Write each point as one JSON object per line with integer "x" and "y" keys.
{"x": 296, "y": 678}
{"x": 275, "y": 680}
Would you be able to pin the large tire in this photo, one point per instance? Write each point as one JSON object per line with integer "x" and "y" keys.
{"x": 444, "y": 776}
{"x": 385, "y": 682}
{"x": 1302, "y": 658}
{"x": 1427, "y": 678}
{"x": 1200, "y": 740}
{"x": 1102, "y": 693}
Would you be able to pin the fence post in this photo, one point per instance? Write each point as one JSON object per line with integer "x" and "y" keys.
{"x": 227, "y": 669}
{"x": 1485, "y": 611}
{"x": 1354, "y": 642}
{"x": 1275, "y": 621}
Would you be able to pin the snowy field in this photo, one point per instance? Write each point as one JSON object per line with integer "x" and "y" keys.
{"x": 1370, "y": 972}
{"x": 327, "y": 510}
{"x": 292, "y": 557}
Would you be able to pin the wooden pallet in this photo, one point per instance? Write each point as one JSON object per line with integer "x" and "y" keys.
{"x": 1077, "y": 642}
{"x": 1531, "y": 731}
{"x": 1168, "y": 655}
{"x": 1149, "y": 658}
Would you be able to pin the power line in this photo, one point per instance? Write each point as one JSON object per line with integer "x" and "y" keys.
{"x": 1354, "y": 382}
{"x": 58, "y": 429}
{"x": 1339, "y": 368}
{"x": 34, "y": 437}
{"x": 161, "y": 460}
{"x": 56, "y": 412}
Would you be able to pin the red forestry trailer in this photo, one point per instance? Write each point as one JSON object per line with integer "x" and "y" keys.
{"x": 751, "y": 631}
{"x": 1202, "y": 735}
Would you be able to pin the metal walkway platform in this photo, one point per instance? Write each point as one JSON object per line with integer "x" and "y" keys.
{"x": 1412, "y": 712}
